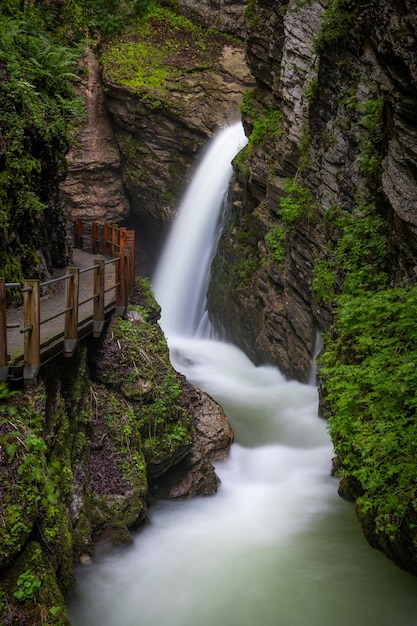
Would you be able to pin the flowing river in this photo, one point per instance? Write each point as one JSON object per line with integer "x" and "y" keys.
{"x": 276, "y": 546}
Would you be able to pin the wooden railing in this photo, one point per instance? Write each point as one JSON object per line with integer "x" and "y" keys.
{"x": 54, "y": 325}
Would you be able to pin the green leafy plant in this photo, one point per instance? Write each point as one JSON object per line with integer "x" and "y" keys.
{"x": 337, "y": 23}
{"x": 102, "y": 18}
{"x": 38, "y": 115}
{"x": 369, "y": 370}
{"x": 297, "y": 203}
{"x": 276, "y": 243}
{"x": 370, "y": 159}
{"x": 27, "y": 586}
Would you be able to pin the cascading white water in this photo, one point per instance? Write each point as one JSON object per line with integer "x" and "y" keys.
{"x": 276, "y": 546}
{"x": 181, "y": 277}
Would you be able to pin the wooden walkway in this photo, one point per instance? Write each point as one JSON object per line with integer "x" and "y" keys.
{"x": 77, "y": 302}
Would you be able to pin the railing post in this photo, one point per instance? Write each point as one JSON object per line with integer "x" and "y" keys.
{"x": 31, "y": 329}
{"x": 96, "y": 237}
{"x": 4, "y": 368}
{"x": 127, "y": 242}
{"x": 128, "y": 272}
{"x": 130, "y": 241}
{"x": 79, "y": 242}
{"x": 106, "y": 237}
{"x": 122, "y": 238}
{"x": 71, "y": 314}
{"x": 115, "y": 242}
{"x": 121, "y": 301}
{"x": 99, "y": 282}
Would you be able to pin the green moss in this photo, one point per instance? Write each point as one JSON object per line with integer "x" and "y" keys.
{"x": 250, "y": 14}
{"x": 297, "y": 203}
{"x": 370, "y": 375}
{"x": 164, "y": 48}
{"x": 30, "y": 596}
{"x": 370, "y": 157}
{"x": 356, "y": 256}
{"x": 337, "y": 23}
{"x": 32, "y": 481}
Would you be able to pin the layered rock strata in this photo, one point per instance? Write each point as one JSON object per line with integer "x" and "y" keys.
{"x": 269, "y": 312}
{"x": 140, "y": 143}
{"x": 93, "y": 188}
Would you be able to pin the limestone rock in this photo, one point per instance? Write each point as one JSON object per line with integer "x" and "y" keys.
{"x": 93, "y": 188}
{"x": 195, "y": 475}
{"x": 224, "y": 15}
{"x": 159, "y": 142}
{"x": 268, "y": 310}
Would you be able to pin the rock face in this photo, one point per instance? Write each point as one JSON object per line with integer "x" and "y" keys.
{"x": 224, "y": 15}
{"x": 195, "y": 475}
{"x": 269, "y": 312}
{"x": 331, "y": 180}
{"x": 140, "y": 142}
{"x": 159, "y": 143}
{"x": 93, "y": 188}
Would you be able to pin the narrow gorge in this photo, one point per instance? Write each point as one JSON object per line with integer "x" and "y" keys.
{"x": 317, "y": 258}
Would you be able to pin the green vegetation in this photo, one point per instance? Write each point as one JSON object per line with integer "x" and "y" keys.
{"x": 337, "y": 23}
{"x": 369, "y": 159}
{"x": 31, "y": 595}
{"x": 297, "y": 204}
{"x": 40, "y": 45}
{"x": 250, "y": 14}
{"x": 27, "y": 586}
{"x": 370, "y": 374}
{"x": 38, "y": 480}
{"x": 356, "y": 257}
{"x": 368, "y": 369}
{"x": 266, "y": 125}
{"x": 170, "y": 47}
{"x": 101, "y": 18}
{"x": 275, "y": 239}
{"x": 145, "y": 378}
{"x": 38, "y": 111}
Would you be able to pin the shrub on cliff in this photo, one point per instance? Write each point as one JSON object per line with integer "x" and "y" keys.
{"x": 37, "y": 114}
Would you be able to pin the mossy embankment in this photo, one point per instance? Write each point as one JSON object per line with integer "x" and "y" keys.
{"x": 78, "y": 449}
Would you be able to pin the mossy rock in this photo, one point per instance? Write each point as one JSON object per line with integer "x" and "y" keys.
{"x": 29, "y": 594}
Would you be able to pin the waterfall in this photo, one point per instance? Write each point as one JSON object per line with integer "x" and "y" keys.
{"x": 180, "y": 281}
{"x": 276, "y": 545}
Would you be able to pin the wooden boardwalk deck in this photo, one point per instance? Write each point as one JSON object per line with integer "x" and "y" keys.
{"x": 58, "y": 313}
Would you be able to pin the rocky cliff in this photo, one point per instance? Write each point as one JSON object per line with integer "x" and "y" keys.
{"x": 225, "y": 15}
{"x": 269, "y": 312}
{"x": 160, "y": 94}
{"x": 320, "y": 235}
{"x": 93, "y": 188}
{"x": 323, "y": 71}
